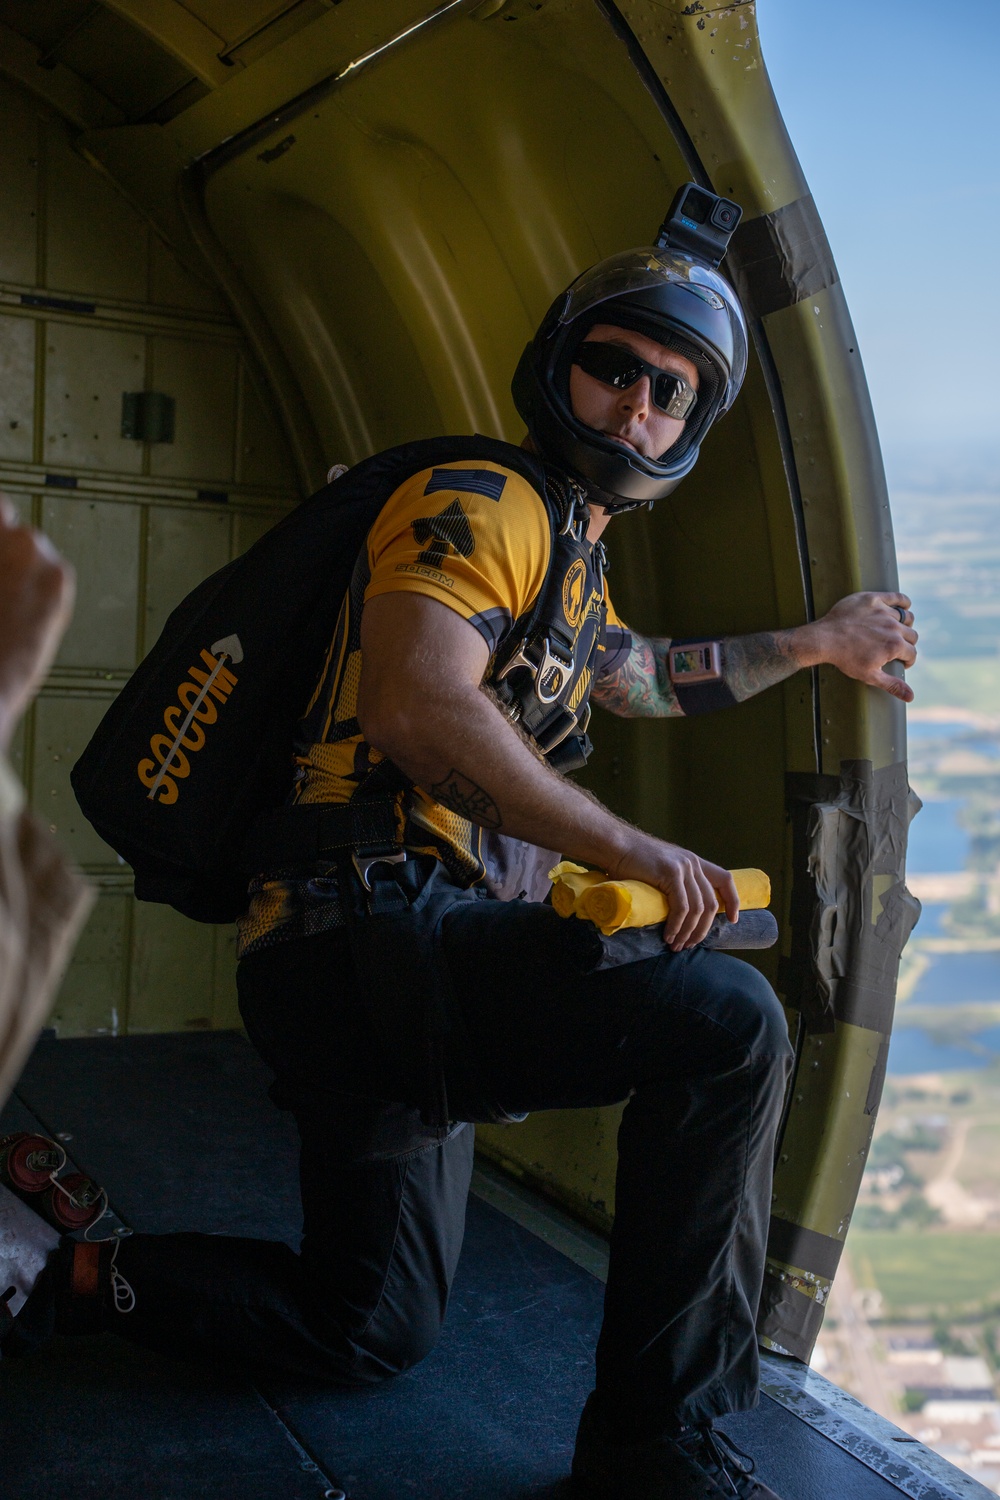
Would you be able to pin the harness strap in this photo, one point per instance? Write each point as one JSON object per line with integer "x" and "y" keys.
{"x": 300, "y": 837}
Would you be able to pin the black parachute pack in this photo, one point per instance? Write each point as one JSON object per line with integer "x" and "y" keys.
{"x": 199, "y": 743}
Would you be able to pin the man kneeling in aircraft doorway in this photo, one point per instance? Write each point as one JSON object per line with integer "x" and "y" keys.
{"x": 416, "y": 981}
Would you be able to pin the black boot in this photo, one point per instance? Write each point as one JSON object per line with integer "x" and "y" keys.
{"x": 696, "y": 1463}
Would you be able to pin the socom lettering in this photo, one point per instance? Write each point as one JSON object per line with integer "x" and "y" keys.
{"x": 187, "y": 719}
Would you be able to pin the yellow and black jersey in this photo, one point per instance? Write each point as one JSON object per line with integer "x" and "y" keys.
{"x": 477, "y": 537}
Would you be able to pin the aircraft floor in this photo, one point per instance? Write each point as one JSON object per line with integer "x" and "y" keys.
{"x": 181, "y": 1132}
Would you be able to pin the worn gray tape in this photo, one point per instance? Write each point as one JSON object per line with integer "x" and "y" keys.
{"x": 788, "y": 1317}
{"x": 807, "y": 1249}
{"x": 783, "y": 257}
{"x": 846, "y": 831}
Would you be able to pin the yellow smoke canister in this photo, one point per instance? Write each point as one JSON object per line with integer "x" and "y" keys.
{"x": 613, "y": 904}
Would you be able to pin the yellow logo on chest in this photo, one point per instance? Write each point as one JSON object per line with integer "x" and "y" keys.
{"x": 572, "y": 592}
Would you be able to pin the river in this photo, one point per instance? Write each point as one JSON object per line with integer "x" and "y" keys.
{"x": 939, "y": 845}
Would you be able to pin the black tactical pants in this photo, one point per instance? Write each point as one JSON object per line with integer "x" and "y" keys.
{"x": 697, "y": 1043}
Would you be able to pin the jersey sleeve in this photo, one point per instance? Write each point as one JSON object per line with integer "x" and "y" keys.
{"x": 616, "y": 639}
{"x": 474, "y": 535}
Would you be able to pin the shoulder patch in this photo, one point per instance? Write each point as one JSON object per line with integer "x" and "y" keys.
{"x": 467, "y": 481}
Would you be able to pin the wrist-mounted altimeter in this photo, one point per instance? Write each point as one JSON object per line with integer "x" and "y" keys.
{"x": 696, "y": 675}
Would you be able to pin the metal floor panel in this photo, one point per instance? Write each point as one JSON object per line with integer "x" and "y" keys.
{"x": 181, "y": 1132}
{"x": 97, "y": 1417}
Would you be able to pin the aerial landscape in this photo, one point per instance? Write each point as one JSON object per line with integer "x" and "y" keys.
{"x": 914, "y": 1321}
{"x": 913, "y": 1326}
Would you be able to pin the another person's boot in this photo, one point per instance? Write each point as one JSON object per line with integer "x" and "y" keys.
{"x": 695, "y": 1463}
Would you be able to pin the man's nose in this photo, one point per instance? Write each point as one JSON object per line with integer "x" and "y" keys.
{"x": 637, "y": 398}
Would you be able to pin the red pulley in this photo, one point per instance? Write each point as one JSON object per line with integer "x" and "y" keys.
{"x": 28, "y": 1161}
{"x": 74, "y": 1202}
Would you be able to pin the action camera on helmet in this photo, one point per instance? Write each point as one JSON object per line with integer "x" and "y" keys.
{"x": 700, "y": 223}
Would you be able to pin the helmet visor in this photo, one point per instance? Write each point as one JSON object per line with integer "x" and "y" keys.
{"x": 650, "y": 270}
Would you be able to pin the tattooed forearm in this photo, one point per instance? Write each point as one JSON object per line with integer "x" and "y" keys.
{"x": 640, "y": 688}
{"x": 751, "y": 663}
{"x": 467, "y": 799}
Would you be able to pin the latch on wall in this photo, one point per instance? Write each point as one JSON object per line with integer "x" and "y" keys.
{"x": 148, "y": 416}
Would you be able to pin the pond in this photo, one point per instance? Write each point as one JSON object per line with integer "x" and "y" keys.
{"x": 914, "y": 1051}
{"x": 938, "y": 845}
{"x": 950, "y": 979}
{"x": 958, "y": 979}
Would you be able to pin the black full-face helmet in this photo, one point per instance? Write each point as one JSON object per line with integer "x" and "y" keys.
{"x": 669, "y": 296}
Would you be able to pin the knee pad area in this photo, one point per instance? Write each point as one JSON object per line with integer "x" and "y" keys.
{"x": 761, "y": 1013}
{"x": 727, "y": 993}
{"x": 381, "y": 1353}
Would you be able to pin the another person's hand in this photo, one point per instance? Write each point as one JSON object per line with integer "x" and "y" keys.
{"x": 36, "y": 601}
{"x": 694, "y": 887}
{"x": 860, "y": 634}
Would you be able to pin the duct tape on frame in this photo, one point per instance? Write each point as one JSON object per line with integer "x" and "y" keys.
{"x": 851, "y": 911}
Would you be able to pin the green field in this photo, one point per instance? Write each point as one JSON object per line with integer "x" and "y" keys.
{"x": 957, "y": 682}
{"x": 937, "y": 1271}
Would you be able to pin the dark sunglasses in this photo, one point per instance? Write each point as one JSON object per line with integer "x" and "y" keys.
{"x": 616, "y": 366}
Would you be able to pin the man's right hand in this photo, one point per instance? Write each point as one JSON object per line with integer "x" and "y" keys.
{"x": 36, "y": 601}
{"x": 694, "y": 887}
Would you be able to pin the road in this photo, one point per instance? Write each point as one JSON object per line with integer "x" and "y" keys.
{"x": 862, "y": 1372}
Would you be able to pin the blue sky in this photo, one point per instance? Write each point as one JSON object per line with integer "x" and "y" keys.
{"x": 893, "y": 111}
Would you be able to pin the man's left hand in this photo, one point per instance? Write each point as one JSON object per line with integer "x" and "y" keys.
{"x": 860, "y": 634}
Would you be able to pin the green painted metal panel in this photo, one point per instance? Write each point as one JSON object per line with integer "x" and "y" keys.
{"x": 172, "y": 978}
{"x": 86, "y": 369}
{"x": 95, "y": 241}
{"x": 93, "y": 998}
{"x": 17, "y": 380}
{"x": 261, "y": 450}
{"x": 202, "y": 378}
{"x": 172, "y": 285}
{"x": 64, "y": 720}
{"x": 130, "y": 520}
{"x": 182, "y": 546}
{"x": 19, "y": 198}
{"x": 102, "y": 537}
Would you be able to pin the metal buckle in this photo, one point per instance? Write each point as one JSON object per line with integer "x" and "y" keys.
{"x": 519, "y": 659}
{"x": 365, "y": 862}
{"x": 577, "y": 518}
{"x": 556, "y": 668}
{"x": 550, "y": 662}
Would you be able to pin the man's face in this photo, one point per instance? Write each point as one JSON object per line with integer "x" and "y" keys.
{"x": 629, "y": 416}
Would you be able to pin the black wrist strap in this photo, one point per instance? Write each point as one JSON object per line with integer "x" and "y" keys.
{"x": 704, "y": 698}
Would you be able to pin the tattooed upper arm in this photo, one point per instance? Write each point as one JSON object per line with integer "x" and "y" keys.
{"x": 640, "y": 688}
